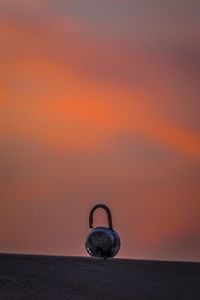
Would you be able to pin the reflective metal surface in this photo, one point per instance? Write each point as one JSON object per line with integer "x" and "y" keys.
{"x": 103, "y": 242}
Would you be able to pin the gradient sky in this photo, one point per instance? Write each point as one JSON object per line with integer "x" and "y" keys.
{"x": 100, "y": 103}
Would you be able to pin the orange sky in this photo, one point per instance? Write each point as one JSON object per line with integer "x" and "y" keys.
{"x": 100, "y": 103}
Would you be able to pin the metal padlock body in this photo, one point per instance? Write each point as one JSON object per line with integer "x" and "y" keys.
{"x": 102, "y": 241}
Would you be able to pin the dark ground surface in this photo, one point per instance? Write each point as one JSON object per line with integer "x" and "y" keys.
{"x": 51, "y": 277}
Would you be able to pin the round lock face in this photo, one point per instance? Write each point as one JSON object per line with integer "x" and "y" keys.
{"x": 99, "y": 242}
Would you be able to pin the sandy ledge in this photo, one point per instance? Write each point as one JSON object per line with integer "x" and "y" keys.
{"x": 53, "y": 277}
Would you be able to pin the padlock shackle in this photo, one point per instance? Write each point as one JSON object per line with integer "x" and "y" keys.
{"x": 108, "y": 215}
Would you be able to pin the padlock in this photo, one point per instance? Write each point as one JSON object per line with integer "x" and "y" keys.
{"x": 102, "y": 241}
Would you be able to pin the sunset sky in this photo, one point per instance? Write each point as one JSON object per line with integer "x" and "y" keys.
{"x": 100, "y": 103}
